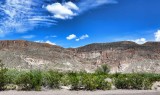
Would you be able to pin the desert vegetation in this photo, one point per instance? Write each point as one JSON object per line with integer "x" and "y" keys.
{"x": 11, "y": 79}
{"x": 2, "y": 76}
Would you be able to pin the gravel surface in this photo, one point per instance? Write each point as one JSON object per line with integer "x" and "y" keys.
{"x": 66, "y": 92}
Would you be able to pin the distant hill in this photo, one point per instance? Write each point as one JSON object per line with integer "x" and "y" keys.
{"x": 124, "y": 56}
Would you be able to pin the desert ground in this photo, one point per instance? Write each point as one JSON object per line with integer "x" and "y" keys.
{"x": 66, "y": 92}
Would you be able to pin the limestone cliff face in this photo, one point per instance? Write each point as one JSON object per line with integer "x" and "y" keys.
{"x": 120, "y": 56}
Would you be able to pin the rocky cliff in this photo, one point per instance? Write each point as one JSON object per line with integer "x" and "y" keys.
{"x": 120, "y": 56}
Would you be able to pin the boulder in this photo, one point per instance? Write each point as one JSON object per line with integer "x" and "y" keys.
{"x": 156, "y": 86}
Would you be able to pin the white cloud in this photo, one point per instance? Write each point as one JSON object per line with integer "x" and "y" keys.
{"x": 89, "y": 4}
{"x": 68, "y": 10}
{"x": 52, "y": 36}
{"x": 22, "y": 15}
{"x": 14, "y": 14}
{"x": 41, "y": 19}
{"x": 71, "y": 5}
{"x": 63, "y": 11}
{"x": 82, "y": 37}
{"x": 28, "y": 36}
{"x": 157, "y": 35}
{"x": 49, "y": 42}
{"x": 70, "y": 37}
{"x": 77, "y": 40}
{"x": 140, "y": 41}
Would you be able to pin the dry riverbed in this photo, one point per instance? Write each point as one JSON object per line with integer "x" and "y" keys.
{"x": 67, "y": 92}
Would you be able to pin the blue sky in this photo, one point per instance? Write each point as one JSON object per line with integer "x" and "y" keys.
{"x": 73, "y": 23}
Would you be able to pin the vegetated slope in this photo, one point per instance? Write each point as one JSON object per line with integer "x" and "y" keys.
{"x": 120, "y": 56}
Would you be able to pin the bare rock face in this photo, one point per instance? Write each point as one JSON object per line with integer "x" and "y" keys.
{"x": 123, "y": 57}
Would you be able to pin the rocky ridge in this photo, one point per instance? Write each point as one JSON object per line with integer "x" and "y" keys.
{"x": 122, "y": 56}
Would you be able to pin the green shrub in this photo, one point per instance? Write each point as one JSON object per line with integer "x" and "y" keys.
{"x": 65, "y": 80}
{"x": 30, "y": 80}
{"x": 115, "y": 75}
{"x": 12, "y": 75}
{"x": 90, "y": 82}
{"x": 52, "y": 79}
{"x": 87, "y": 81}
{"x": 36, "y": 80}
{"x": 132, "y": 81}
{"x": 95, "y": 82}
{"x": 103, "y": 69}
{"x": 24, "y": 81}
{"x": 147, "y": 84}
{"x": 102, "y": 84}
{"x": 2, "y": 76}
{"x": 151, "y": 76}
{"x": 75, "y": 81}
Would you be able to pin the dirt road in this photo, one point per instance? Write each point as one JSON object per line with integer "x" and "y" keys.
{"x": 66, "y": 92}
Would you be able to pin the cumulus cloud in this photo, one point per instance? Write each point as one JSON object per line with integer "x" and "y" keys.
{"x": 140, "y": 41}
{"x": 28, "y": 36}
{"x": 49, "y": 42}
{"x": 63, "y": 11}
{"x": 143, "y": 40}
{"x": 157, "y": 35}
{"x": 82, "y": 37}
{"x": 70, "y": 37}
{"x": 68, "y": 10}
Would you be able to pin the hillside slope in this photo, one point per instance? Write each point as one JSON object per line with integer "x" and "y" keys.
{"x": 122, "y": 56}
{"x": 30, "y": 55}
